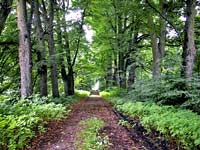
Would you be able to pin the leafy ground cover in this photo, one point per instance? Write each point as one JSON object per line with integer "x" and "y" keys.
{"x": 183, "y": 126}
{"x": 22, "y": 119}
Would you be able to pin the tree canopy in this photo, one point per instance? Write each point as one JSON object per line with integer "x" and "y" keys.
{"x": 132, "y": 40}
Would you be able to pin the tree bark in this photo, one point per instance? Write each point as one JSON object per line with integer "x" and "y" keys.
{"x": 114, "y": 78}
{"x": 189, "y": 49}
{"x": 42, "y": 67}
{"x": 131, "y": 76}
{"x": 61, "y": 47}
{"x": 158, "y": 42}
{"x": 65, "y": 79}
{"x": 70, "y": 74}
{"x": 50, "y": 38}
{"x": 155, "y": 51}
{"x": 133, "y": 44}
{"x": 5, "y": 8}
{"x": 70, "y": 77}
{"x": 109, "y": 72}
{"x": 121, "y": 70}
{"x": 162, "y": 38}
{"x": 24, "y": 50}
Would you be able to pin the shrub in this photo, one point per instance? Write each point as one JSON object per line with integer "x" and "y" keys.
{"x": 81, "y": 93}
{"x": 168, "y": 91}
{"x": 20, "y": 121}
{"x": 181, "y": 125}
{"x": 113, "y": 92}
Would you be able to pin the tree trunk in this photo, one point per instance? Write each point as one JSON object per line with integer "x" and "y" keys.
{"x": 70, "y": 81}
{"x": 189, "y": 50}
{"x": 65, "y": 79}
{"x": 132, "y": 48}
{"x": 131, "y": 76}
{"x": 121, "y": 70}
{"x": 70, "y": 75}
{"x": 109, "y": 73}
{"x": 42, "y": 67}
{"x": 114, "y": 78}
{"x": 53, "y": 65}
{"x": 155, "y": 51}
{"x": 5, "y": 8}
{"x": 61, "y": 47}
{"x": 162, "y": 38}
{"x": 24, "y": 50}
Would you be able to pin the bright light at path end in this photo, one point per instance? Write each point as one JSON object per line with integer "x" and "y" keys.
{"x": 96, "y": 86}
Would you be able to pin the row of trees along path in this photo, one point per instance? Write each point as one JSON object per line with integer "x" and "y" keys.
{"x": 62, "y": 135}
{"x": 121, "y": 36}
{"x": 121, "y": 32}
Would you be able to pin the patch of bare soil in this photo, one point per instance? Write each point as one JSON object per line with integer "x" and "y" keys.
{"x": 61, "y": 135}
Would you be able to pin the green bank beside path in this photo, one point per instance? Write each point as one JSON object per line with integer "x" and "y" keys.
{"x": 177, "y": 124}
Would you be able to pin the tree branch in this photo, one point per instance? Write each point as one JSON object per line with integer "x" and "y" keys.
{"x": 79, "y": 38}
{"x": 171, "y": 24}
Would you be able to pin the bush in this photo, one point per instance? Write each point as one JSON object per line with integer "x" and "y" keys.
{"x": 181, "y": 125}
{"x": 113, "y": 92}
{"x": 82, "y": 93}
{"x": 168, "y": 91}
{"x": 20, "y": 121}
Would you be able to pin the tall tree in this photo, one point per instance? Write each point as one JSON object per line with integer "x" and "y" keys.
{"x": 41, "y": 52}
{"x": 163, "y": 25}
{"x": 24, "y": 49}
{"x": 62, "y": 46}
{"x": 49, "y": 18}
{"x": 158, "y": 40}
{"x": 189, "y": 49}
{"x": 155, "y": 51}
{"x": 72, "y": 61}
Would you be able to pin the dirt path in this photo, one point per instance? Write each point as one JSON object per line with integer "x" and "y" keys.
{"x": 62, "y": 135}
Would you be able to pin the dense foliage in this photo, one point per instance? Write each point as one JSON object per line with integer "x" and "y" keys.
{"x": 169, "y": 91}
{"x": 183, "y": 126}
{"x": 143, "y": 50}
{"x": 22, "y": 119}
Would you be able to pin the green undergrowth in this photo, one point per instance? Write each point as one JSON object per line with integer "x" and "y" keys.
{"x": 82, "y": 93}
{"x": 113, "y": 92}
{"x": 177, "y": 124}
{"x": 168, "y": 90}
{"x": 89, "y": 137}
{"x": 22, "y": 119}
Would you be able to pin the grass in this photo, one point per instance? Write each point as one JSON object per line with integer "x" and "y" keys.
{"x": 89, "y": 137}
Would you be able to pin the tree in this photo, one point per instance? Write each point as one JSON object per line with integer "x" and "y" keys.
{"x": 62, "y": 46}
{"x": 41, "y": 52}
{"x": 189, "y": 49}
{"x": 24, "y": 50}
{"x": 49, "y": 18}
{"x": 158, "y": 40}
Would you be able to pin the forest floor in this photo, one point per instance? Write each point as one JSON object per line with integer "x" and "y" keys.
{"x": 62, "y": 135}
